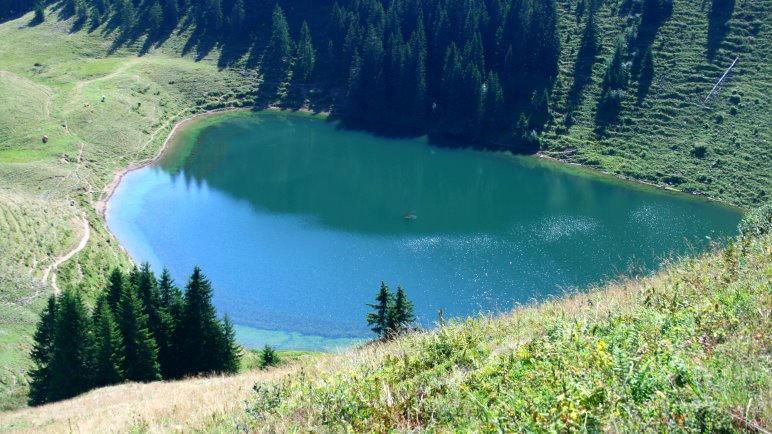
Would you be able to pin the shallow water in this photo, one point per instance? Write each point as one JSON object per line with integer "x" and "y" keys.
{"x": 297, "y": 222}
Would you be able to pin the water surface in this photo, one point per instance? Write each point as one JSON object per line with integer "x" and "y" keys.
{"x": 297, "y": 222}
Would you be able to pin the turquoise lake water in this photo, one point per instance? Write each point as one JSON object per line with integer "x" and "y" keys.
{"x": 296, "y": 222}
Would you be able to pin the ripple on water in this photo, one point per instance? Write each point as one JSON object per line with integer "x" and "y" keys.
{"x": 551, "y": 229}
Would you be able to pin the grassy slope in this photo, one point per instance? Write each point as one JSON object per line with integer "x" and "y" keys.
{"x": 655, "y": 137}
{"x": 52, "y": 80}
{"x": 686, "y": 349}
{"x": 51, "y": 83}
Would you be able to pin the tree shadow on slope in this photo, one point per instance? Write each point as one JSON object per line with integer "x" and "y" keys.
{"x": 585, "y": 59}
{"x": 718, "y": 25}
{"x": 654, "y": 15}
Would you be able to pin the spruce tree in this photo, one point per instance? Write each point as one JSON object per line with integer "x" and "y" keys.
{"x": 108, "y": 346}
{"x": 237, "y": 17}
{"x": 380, "y": 320}
{"x": 229, "y": 353}
{"x": 279, "y": 51}
{"x": 401, "y": 315}
{"x": 72, "y": 361}
{"x": 305, "y": 58}
{"x": 140, "y": 353}
{"x": 154, "y": 18}
{"x": 170, "y": 294}
{"x": 115, "y": 287}
{"x": 42, "y": 355}
{"x": 171, "y": 12}
{"x": 199, "y": 333}
{"x": 214, "y": 15}
{"x": 268, "y": 357}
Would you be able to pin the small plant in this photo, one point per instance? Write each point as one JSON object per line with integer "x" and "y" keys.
{"x": 268, "y": 357}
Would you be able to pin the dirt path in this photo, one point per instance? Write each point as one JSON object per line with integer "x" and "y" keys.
{"x": 62, "y": 259}
{"x": 79, "y": 85}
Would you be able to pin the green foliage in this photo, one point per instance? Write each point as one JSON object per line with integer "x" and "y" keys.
{"x": 268, "y": 357}
{"x": 305, "y": 59}
{"x": 109, "y": 354}
{"x": 140, "y": 358}
{"x": 278, "y": 53}
{"x": 42, "y": 355}
{"x": 757, "y": 222}
{"x": 152, "y": 332}
{"x": 72, "y": 357}
{"x": 393, "y": 313}
{"x": 379, "y": 320}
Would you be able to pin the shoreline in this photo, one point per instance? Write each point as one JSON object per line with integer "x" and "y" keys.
{"x": 100, "y": 206}
{"x": 659, "y": 186}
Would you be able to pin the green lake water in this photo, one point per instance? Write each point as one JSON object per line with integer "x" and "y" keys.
{"x": 296, "y": 222}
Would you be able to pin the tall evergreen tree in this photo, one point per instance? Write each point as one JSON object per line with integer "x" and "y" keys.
{"x": 72, "y": 361}
{"x": 229, "y": 353}
{"x": 305, "y": 58}
{"x": 278, "y": 54}
{"x": 199, "y": 333}
{"x": 170, "y": 294}
{"x": 140, "y": 354}
{"x": 401, "y": 316}
{"x": 42, "y": 355}
{"x": 115, "y": 285}
{"x": 380, "y": 320}
{"x": 237, "y": 17}
{"x": 108, "y": 346}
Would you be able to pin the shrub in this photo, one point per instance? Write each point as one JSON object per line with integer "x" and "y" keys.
{"x": 757, "y": 222}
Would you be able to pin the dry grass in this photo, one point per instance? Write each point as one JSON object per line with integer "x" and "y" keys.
{"x": 156, "y": 407}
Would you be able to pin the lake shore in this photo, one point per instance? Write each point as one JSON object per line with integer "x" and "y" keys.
{"x": 101, "y": 205}
{"x": 107, "y": 192}
{"x": 659, "y": 186}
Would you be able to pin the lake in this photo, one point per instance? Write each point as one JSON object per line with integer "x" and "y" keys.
{"x": 297, "y": 221}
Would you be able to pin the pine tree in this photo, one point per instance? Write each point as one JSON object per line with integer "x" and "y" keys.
{"x": 199, "y": 333}
{"x": 72, "y": 361}
{"x": 160, "y": 320}
{"x": 229, "y": 353}
{"x": 171, "y": 12}
{"x": 140, "y": 349}
{"x": 237, "y": 17}
{"x": 42, "y": 355}
{"x": 305, "y": 59}
{"x": 380, "y": 319}
{"x": 279, "y": 51}
{"x": 170, "y": 294}
{"x": 108, "y": 346}
{"x": 154, "y": 18}
{"x": 401, "y": 315}
{"x": 115, "y": 287}
{"x": 126, "y": 16}
{"x": 214, "y": 16}
{"x": 268, "y": 357}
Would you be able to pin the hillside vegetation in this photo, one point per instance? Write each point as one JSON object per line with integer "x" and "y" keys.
{"x": 53, "y": 75}
{"x": 687, "y": 349}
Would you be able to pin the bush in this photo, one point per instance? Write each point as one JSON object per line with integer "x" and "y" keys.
{"x": 757, "y": 222}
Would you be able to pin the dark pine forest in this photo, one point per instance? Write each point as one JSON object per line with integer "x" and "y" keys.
{"x": 462, "y": 69}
